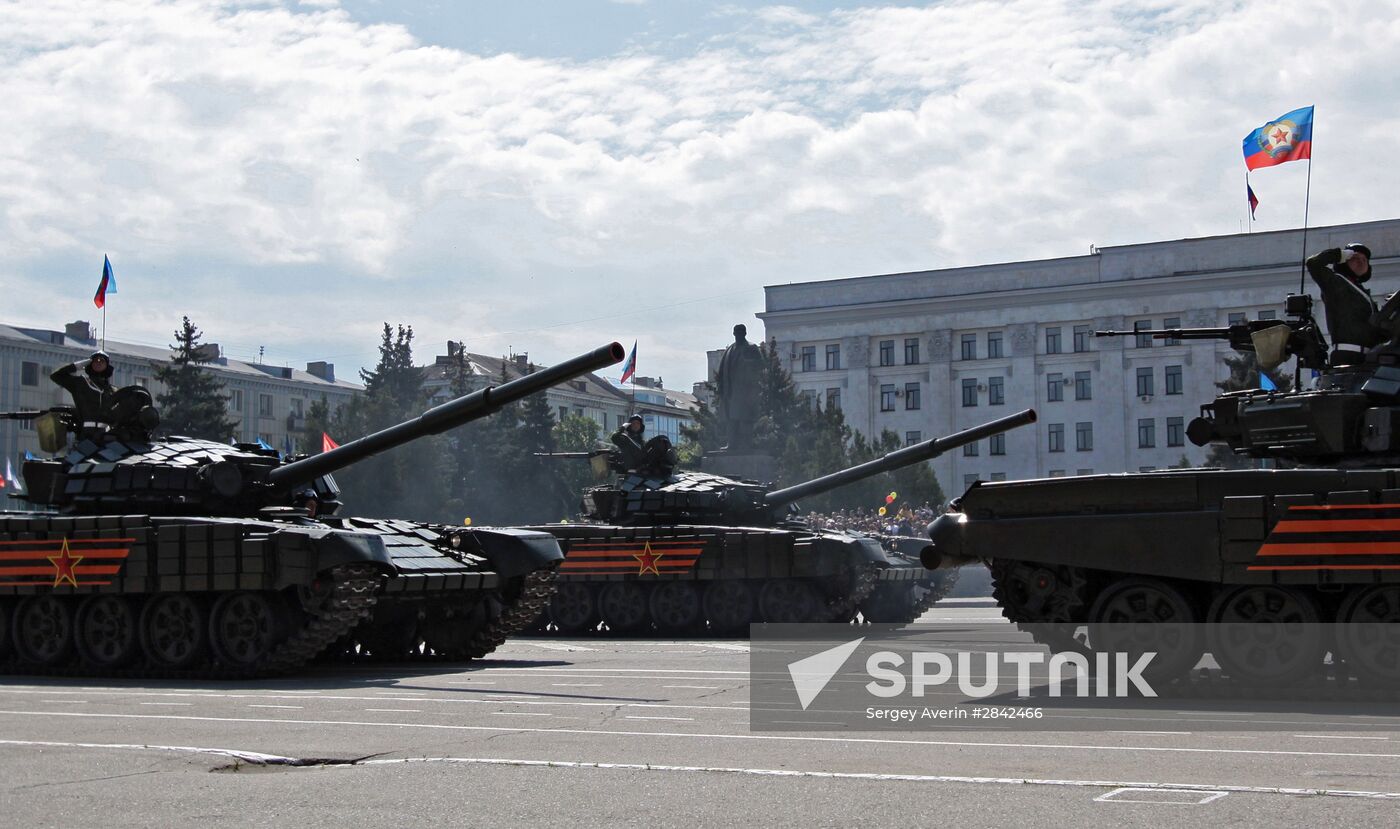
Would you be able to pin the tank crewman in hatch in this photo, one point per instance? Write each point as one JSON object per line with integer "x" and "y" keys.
{"x": 1342, "y": 273}
{"x": 92, "y": 392}
{"x": 632, "y": 450}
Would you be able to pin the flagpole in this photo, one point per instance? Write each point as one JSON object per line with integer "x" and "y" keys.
{"x": 104, "y": 326}
{"x": 1247, "y": 191}
{"x": 1307, "y": 198}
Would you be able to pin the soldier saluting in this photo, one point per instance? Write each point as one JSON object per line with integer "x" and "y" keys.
{"x": 1342, "y": 274}
{"x": 90, "y": 384}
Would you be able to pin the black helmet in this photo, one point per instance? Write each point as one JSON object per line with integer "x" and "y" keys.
{"x": 1357, "y": 247}
{"x": 103, "y": 374}
{"x": 639, "y": 420}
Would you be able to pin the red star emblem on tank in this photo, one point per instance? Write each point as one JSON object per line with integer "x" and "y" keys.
{"x": 648, "y": 560}
{"x": 65, "y": 566}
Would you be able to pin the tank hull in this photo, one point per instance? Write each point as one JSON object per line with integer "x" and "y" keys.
{"x": 1204, "y": 548}
{"x": 905, "y": 590}
{"x": 205, "y": 596}
{"x": 695, "y": 579}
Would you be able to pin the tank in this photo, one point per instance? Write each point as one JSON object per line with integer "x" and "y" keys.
{"x": 183, "y": 557}
{"x": 690, "y": 552}
{"x": 903, "y": 600}
{"x": 1314, "y": 538}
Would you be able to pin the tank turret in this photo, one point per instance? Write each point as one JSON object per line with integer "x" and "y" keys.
{"x": 127, "y": 470}
{"x": 658, "y": 494}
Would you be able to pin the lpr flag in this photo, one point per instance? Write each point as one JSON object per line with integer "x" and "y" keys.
{"x": 1287, "y": 138}
{"x": 629, "y": 368}
{"x": 108, "y": 285}
{"x": 327, "y": 443}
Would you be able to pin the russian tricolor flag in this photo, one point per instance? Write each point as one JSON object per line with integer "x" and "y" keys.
{"x": 108, "y": 284}
{"x": 630, "y": 367}
{"x": 1288, "y": 138}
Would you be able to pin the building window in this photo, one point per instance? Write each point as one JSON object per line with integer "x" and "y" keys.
{"x": 296, "y": 404}
{"x": 1057, "y": 473}
{"x": 235, "y": 401}
{"x": 143, "y": 382}
{"x": 996, "y": 445}
{"x": 998, "y": 476}
{"x": 1172, "y": 322}
{"x": 564, "y": 412}
{"x": 833, "y": 357}
{"x": 1082, "y": 333}
{"x": 1052, "y": 341}
{"x": 1238, "y": 319}
{"x": 996, "y": 391}
{"x": 1054, "y": 387}
{"x": 887, "y": 398}
{"x": 1268, "y": 315}
{"x": 1176, "y": 432}
{"x": 28, "y": 374}
{"x": 1084, "y": 472}
{"x": 886, "y": 352}
{"x": 264, "y": 405}
{"x": 969, "y": 480}
{"x": 911, "y": 396}
{"x": 1057, "y": 437}
{"x": 994, "y": 344}
{"x": 833, "y": 399}
{"x": 1144, "y": 381}
{"x": 809, "y": 358}
{"x": 911, "y": 351}
{"x": 969, "y": 391}
{"x": 970, "y": 450}
{"x": 969, "y": 346}
{"x": 1173, "y": 380}
{"x": 1147, "y": 433}
{"x": 1143, "y": 340}
{"x": 911, "y": 438}
{"x": 1083, "y": 389}
{"x": 809, "y": 399}
{"x": 1084, "y": 436}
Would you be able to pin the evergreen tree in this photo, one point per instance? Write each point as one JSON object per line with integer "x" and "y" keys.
{"x": 194, "y": 403}
{"x": 1244, "y": 374}
{"x": 318, "y": 422}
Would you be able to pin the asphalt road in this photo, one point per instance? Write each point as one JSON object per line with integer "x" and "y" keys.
{"x": 554, "y": 731}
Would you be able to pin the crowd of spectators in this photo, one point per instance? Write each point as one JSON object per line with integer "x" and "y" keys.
{"x": 904, "y": 520}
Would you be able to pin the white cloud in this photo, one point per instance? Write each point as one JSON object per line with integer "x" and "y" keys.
{"x": 305, "y": 156}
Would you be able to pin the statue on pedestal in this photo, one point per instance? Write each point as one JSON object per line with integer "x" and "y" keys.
{"x": 737, "y": 384}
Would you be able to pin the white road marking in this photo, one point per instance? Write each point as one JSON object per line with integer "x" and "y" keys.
{"x": 297, "y": 707}
{"x": 577, "y": 684}
{"x": 1167, "y": 733}
{"x": 721, "y": 645}
{"x": 778, "y": 738}
{"x": 693, "y": 687}
{"x": 65, "y": 701}
{"x": 552, "y": 647}
{"x": 1199, "y": 797}
{"x": 681, "y": 719}
{"x": 396, "y": 710}
{"x": 1337, "y": 737}
{"x": 508, "y": 697}
{"x": 186, "y": 704}
{"x": 521, "y": 714}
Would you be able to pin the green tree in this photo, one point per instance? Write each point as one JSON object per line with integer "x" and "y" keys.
{"x": 1244, "y": 374}
{"x": 194, "y": 403}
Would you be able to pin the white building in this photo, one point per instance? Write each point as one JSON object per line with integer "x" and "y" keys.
{"x": 265, "y": 401}
{"x": 928, "y": 353}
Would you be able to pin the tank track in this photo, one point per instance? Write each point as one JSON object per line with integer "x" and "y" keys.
{"x": 864, "y": 579}
{"x": 1064, "y": 629}
{"x": 351, "y": 598}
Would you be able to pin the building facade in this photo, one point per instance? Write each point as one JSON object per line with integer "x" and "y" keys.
{"x": 265, "y": 402}
{"x": 929, "y": 353}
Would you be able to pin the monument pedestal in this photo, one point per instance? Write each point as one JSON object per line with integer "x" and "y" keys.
{"x": 752, "y": 467}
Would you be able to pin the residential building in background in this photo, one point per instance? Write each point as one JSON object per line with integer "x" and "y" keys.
{"x": 266, "y": 402}
{"x": 929, "y": 353}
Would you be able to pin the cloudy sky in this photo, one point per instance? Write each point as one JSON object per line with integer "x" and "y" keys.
{"x": 546, "y": 176}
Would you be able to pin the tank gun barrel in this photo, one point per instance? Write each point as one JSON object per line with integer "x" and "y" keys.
{"x": 446, "y": 416}
{"x": 899, "y": 458}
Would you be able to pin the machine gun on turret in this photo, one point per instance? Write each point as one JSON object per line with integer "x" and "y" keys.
{"x": 1271, "y": 341}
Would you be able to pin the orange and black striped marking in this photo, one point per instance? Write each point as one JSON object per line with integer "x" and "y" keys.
{"x": 598, "y": 558}
{"x": 75, "y": 562}
{"x": 1333, "y": 537}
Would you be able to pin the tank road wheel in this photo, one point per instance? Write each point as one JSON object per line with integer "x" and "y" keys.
{"x": 572, "y": 608}
{"x": 1050, "y": 597}
{"x": 1138, "y": 616}
{"x": 244, "y": 627}
{"x": 675, "y": 607}
{"x": 107, "y": 632}
{"x": 44, "y": 630}
{"x": 1267, "y": 634}
{"x": 624, "y": 606}
{"x": 174, "y": 631}
{"x": 728, "y": 605}
{"x": 1369, "y": 634}
{"x": 889, "y": 604}
{"x": 790, "y": 601}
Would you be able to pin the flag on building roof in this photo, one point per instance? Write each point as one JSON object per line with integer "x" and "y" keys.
{"x": 108, "y": 285}
{"x": 629, "y": 368}
{"x": 1287, "y": 138}
{"x": 263, "y": 444}
{"x": 1253, "y": 199}
{"x": 1265, "y": 383}
{"x": 328, "y": 443}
